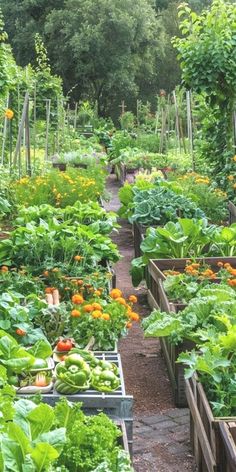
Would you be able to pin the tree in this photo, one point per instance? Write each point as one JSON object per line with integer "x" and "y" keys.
{"x": 103, "y": 44}
{"x": 207, "y": 55}
{"x": 24, "y": 18}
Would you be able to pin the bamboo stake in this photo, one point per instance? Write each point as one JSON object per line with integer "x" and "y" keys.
{"x": 48, "y": 110}
{"x": 4, "y": 132}
{"x": 27, "y": 141}
{"x": 35, "y": 118}
{"x": 75, "y": 117}
{"x": 189, "y": 126}
{"x": 21, "y": 129}
{"x": 177, "y": 124}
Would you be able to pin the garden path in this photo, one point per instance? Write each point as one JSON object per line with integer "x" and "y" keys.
{"x": 161, "y": 431}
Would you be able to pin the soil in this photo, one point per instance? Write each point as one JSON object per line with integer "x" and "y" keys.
{"x": 143, "y": 365}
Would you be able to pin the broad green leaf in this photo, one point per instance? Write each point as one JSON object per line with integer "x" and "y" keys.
{"x": 42, "y": 455}
{"x": 40, "y": 419}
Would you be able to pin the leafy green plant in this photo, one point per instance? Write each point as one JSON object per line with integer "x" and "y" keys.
{"x": 159, "y": 205}
{"x": 186, "y": 238}
{"x": 91, "y": 214}
{"x": 91, "y": 442}
{"x": 209, "y": 313}
{"x": 30, "y": 441}
{"x": 48, "y": 244}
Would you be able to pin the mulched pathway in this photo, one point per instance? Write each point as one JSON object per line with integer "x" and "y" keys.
{"x": 161, "y": 431}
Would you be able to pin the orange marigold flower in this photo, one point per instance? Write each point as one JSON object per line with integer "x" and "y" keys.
{"x": 220, "y": 264}
{"x": 121, "y": 300}
{"x": 232, "y": 272}
{"x": 46, "y": 273}
{"x": 195, "y": 265}
{"x": 78, "y": 258}
{"x": 79, "y": 282}
{"x": 75, "y": 313}
{"x": 97, "y": 293}
{"x": 4, "y": 269}
{"x": 77, "y": 299}
{"x": 97, "y": 314}
{"x": 134, "y": 316}
{"x": 115, "y": 293}
{"x": 9, "y": 114}
{"x": 128, "y": 325}
{"x": 133, "y": 299}
{"x": 97, "y": 306}
{"x": 106, "y": 316}
{"x": 231, "y": 282}
{"x": 49, "y": 289}
{"x": 88, "y": 308}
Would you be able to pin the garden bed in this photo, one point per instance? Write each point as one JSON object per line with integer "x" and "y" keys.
{"x": 156, "y": 267}
{"x": 206, "y": 431}
{"x": 228, "y": 445}
{"x": 117, "y": 405}
{"x": 232, "y": 213}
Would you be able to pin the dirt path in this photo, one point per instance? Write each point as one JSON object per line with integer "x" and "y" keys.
{"x": 161, "y": 432}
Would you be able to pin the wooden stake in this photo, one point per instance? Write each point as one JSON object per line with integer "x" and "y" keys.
{"x": 189, "y": 126}
{"x": 4, "y": 132}
{"x": 123, "y": 107}
{"x": 177, "y": 124}
{"x": 21, "y": 129}
{"x": 27, "y": 141}
{"x": 48, "y": 109}
{"x": 75, "y": 117}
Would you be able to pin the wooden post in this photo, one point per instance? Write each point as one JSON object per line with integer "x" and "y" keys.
{"x": 21, "y": 128}
{"x": 189, "y": 125}
{"x": 123, "y": 107}
{"x": 35, "y": 119}
{"x": 58, "y": 126}
{"x": 163, "y": 130}
{"x": 48, "y": 109}
{"x": 177, "y": 119}
{"x": 27, "y": 140}
{"x": 4, "y": 132}
{"x": 137, "y": 109}
{"x": 75, "y": 117}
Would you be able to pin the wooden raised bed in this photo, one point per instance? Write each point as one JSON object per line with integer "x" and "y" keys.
{"x": 139, "y": 235}
{"x": 156, "y": 268}
{"x": 158, "y": 299}
{"x": 59, "y": 165}
{"x": 232, "y": 213}
{"x": 228, "y": 445}
{"x": 211, "y": 449}
{"x": 125, "y": 172}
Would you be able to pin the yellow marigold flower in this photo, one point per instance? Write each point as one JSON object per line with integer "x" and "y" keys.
{"x": 234, "y": 186}
{"x": 234, "y": 159}
{"x": 9, "y": 114}
{"x": 230, "y": 177}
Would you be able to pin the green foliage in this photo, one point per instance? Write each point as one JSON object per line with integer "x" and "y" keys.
{"x": 127, "y": 121}
{"x": 186, "y": 238}
{"x": 48, "y": 244}
{"x": 208, "y": 57}
{"x": 91, "y": 441}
